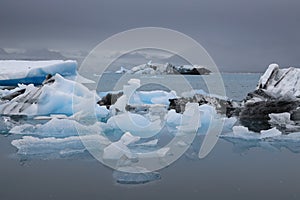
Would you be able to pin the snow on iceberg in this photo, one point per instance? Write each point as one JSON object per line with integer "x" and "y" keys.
{"x": 280, "y": 82}
{"x": 14, "y": 72}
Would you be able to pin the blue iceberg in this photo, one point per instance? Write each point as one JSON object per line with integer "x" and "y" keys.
{"x": 14, "y": 72}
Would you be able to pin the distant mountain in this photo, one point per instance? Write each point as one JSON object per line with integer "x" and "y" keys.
{"x": 3, "y": 52}
{"x": 176, "y": 60}
{"x": 38, "y": 54}
{"x": 32, "y": 54}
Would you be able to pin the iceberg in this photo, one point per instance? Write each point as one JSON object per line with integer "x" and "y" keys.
{"x": 14, "y": 72}
{"x": 56, "y": 96}
{"x": 158, "y": 69}
{"x": 277, "y": 92}
{"x": 280, "y": 82}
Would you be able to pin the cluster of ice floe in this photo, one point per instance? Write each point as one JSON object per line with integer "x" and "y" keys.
{"x": 129, "y": 129}
{"x": 58, "y": 131}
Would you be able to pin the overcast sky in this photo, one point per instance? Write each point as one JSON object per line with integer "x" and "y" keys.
{"x": 240, "y": 35}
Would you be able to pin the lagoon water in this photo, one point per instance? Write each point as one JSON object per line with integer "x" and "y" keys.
{"x": 230, "y": 171}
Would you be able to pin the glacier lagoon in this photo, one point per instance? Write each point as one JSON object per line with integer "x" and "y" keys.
{"x": 219, "y": 168}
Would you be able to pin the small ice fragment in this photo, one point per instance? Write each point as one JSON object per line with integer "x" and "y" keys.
{"x": 135, "y": 178}
{"x": 269, "y": 133}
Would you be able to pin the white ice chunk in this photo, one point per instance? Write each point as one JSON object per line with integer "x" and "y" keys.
{"x": 127, "y": 138}
{"x": 136, "y": 124}
{"x": 190, "y": 118}
{"x": 149, "y": 143}
{"x": 243, "y": 133}
{"x": 174, "y": 119}
{"x": 128, "y": 91}
{"x": 281, "y": 119}
{"x": 119, "y": 149}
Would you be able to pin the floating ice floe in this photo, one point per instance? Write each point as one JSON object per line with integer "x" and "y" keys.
{"x": 51, "y": 147}
{"x": 135, "y": 178}
{"x": 59, "y": 128}
{"x": 271, "y": 140}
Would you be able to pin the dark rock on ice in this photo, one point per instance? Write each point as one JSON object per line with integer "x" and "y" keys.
{"x": 255, "y": 115}
{"x": 109, "y": 99}
{"x": 277, "y": 92}
{"x": 13, "y": 95}
{"x": 223, "y": 106}
{"x": 22, "y": 98}
{"x": 193, "y": 71}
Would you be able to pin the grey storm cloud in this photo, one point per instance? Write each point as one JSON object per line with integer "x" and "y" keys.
{"x": 240, "y": 35}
